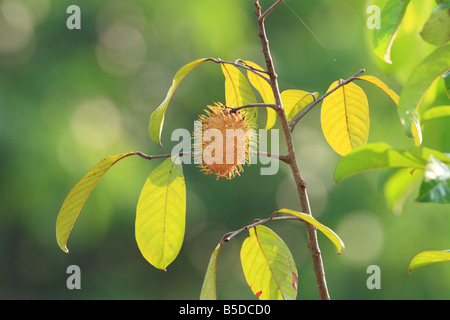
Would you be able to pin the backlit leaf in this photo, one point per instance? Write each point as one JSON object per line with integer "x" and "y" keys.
{"x": 76, "y": 198}
{"x": 238, "y": 90}
{"x": 437, "y": 28}
{"x": 382, "y": 155}
{"x": 391, "y": 19}
{"x": 446, "y": 77}
{"x": 157, "y": 117}
{"x": 345, "y": 118}
{"x": 330, "y": 234}
{"x": 161, "y": 214}
{"x": 209, "y": 291}
{"x": 428, "y": 257}
{"x": 420, "y": 80}
{"x": 416, "y": 129}
{"x": 436, "y": 183}
{"x": 435, "y": 113}
{"x": 399, "y": 186}
{"x": 380, "y": 84}
{"x": 268, "y": 265}
{"x": 265, "y": 90}
{"x": 296, "y": 100}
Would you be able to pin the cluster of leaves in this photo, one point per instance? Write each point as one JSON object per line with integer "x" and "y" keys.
{"x": 417, "y": 163}
{"x": 161, "y": 210}
{"x": 267, "y": 263}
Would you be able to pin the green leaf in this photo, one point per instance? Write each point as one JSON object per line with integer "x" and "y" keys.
{"x": 330, "y": 234}
{"x": 238, "y": 91}
{"x": 399, "y": 186}
{"x": 391, "y": 19}
{"x": 436, "y": 183}
{"x": 265, "y": 90}
{"x": 76, "y": 198}
{"x": 345, "y": 118}
{"x": 296, "y": 100}
{"x": 161, "y": 214}
{"x": 157, "y": 117}
{"x": 435, "y": 113}
{"x": 428, "y": 257}
{"x": 209, "y": 291}
{"x": 382, "y": 155}
{"x": 446, "y": 77}
{"x": 268, "y": 265}
{"x": 436, "y": 30}
{"x": 420, "y": 80}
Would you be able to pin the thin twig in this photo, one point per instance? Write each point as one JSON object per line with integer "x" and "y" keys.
{"x": 240, "y": 65}
{"x": 158, "y": 156}
{"x": 228, "y": 236}
{"x": 283, "y": 158}
{"x": 255, "y": 105}
{"x": 317, "y": 101}
{"x": 253, "y": 68}
{"x": 272, "y": 7}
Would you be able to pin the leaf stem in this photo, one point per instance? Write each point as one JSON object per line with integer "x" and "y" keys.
{"x": 283, "y": 158}
{"x": 228, "y": 236}
{"x": 158, "y": 156}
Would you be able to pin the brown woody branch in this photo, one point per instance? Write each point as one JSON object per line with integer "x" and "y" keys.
{"x": 300, "y": 183}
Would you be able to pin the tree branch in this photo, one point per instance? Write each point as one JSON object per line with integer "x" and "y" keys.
{"x": 300, "y": 183}
{"x": 283, "y": 158}
{"x": 255, "y": 105}
{"x": 317, "y": 101}
{"x": 272, "y": 7}
{"x": 228, "y": 236}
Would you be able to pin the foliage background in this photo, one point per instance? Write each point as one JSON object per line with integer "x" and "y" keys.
{"x": 69, "y": 98}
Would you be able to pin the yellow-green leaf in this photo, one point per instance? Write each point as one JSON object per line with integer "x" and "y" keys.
{"x": 330, "y": 234}
{"x": 416, "y": 129}
{"x": 157, "y": 117}
{"x": 380, "y": 84}
{"x": 265, "y": 90}
{"x": 76, "y": 198}
{"x": 437, "y": 28}
{"x": 238, "y": 91}
{"x": 209, "y": 291}
{"x": 428, "y": 257}
{"x": 268, "y": 265}
{"x": 435, "y": 113}
{"x": 345, "y": 118}
{"x": 161, "y": 214}
{"x": 296, "y": 100}
{"x": 418, "y": 83}
{"x": 391, "y": 19}
{"x": 399, "y": 186}
{"x": 382, "y": 155}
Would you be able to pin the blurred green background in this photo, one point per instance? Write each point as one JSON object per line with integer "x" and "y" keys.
{"x": 69, "y": 98}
